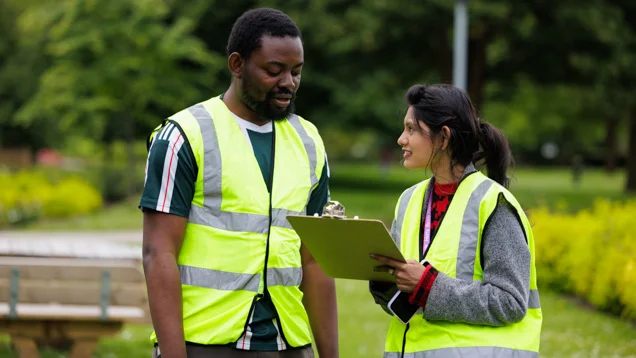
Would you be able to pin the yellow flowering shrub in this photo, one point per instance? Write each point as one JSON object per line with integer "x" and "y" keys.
{"x": 30, "y": 194}
{"x": 591, "y": 253}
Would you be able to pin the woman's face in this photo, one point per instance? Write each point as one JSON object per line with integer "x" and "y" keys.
{"x": 416, "y": 143}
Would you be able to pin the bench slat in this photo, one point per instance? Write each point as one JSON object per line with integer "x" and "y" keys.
{"x": 75, "y": 292}
{"x": 61, "y": 247}
{"x": 28, "y": 311}
{"x": 63, "y": 269}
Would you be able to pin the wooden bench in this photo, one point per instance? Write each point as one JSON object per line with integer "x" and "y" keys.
{"x": 66, "y": 297}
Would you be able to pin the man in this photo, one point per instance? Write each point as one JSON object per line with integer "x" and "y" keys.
{"x": 226, "y": 274}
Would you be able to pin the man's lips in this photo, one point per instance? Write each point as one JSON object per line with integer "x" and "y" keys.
{"x": 282, "y": 101}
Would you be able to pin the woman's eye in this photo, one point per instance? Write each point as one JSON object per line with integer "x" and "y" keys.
{"x": 410, "y": 130}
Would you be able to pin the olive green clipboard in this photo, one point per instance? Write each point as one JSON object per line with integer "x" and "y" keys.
{"x": 342, "y": 246}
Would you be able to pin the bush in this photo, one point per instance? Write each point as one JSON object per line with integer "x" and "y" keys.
{"x": 591, "y": 254}
{"x": 72, "y": 196}
{"x": 30, "y": 194}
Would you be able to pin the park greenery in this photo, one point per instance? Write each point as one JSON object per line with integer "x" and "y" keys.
{"x": 106, "y": 72}
{"x": 585, "y": 252}
{"x": 91, "y": 78}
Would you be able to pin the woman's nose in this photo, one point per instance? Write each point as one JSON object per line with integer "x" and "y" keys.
{"x": 401, "y": 140}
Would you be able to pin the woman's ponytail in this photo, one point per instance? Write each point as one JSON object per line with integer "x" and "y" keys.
{"x": 495, "y": 152}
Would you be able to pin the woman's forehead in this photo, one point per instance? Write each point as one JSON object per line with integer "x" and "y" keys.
{"x": 408, "y": 118}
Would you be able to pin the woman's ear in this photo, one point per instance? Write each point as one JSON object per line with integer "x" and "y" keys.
{"x": 236, "y": 64}
{"x": 446, "y": 135}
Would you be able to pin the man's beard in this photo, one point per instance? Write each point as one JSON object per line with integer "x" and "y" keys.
{"x": 265, "y": 109}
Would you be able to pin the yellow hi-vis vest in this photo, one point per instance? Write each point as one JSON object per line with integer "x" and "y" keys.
{"x": 236, "y": 245}
{"x": 455, "y": 251}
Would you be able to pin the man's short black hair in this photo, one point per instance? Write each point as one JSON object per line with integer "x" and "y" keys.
{"x": 249, "y": 29}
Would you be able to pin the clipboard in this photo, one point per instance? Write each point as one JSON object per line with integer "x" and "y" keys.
{"x": 342, "y": 246}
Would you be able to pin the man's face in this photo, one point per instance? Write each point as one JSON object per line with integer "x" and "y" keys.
{"x": 272, "y": 76}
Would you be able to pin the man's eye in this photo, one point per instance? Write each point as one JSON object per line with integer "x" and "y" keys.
{"x": 295, "y": 74}
{"x": 273, "y": 74}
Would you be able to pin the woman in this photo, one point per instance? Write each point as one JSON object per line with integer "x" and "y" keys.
{"x": 476, "y": 288}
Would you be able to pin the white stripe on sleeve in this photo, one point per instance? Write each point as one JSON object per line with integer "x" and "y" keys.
{"x": 169, "y": 171}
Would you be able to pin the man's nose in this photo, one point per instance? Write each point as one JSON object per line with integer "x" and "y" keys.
{"x": 287, "y": 81}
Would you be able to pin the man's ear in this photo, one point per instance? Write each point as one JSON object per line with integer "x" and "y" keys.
{"x": 236, "y": 64}
{"x": 445, "y": 134}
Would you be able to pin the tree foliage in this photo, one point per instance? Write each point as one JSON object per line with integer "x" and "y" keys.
{"x": 542, "y": 70}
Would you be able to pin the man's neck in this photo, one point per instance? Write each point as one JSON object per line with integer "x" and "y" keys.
{"x": 232, "y": 100}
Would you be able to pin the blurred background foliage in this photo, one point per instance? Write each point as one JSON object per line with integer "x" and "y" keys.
{"x": 83, "y": 82}
{"x": 110, "y": 71}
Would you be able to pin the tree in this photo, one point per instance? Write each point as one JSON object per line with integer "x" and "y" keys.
{"x": 22, "y": 61}
{"x": 117, "y": 67}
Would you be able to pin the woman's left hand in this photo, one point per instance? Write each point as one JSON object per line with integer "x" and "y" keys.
{"x": 407, "y": 275}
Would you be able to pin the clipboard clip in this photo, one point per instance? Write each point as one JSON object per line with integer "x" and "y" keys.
{"x": 333, "y": 209}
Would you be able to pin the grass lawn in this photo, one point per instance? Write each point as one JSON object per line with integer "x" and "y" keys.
{"x": 569, "y": 329}
{"x": 532, "y": 187}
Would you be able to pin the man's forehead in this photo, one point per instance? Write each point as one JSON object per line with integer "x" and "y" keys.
{"x": 280, "y": 48}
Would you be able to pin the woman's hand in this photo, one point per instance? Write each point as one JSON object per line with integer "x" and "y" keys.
{"x": 407, "y": 275}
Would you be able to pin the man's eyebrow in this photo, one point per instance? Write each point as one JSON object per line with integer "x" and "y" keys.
{"x": 280, "y": 64}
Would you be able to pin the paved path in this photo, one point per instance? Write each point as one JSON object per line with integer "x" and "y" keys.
{"x": 87, "y": 244}
{"x": 133, "y": 236}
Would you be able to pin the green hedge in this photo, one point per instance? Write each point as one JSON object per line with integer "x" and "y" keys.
{"x": 30, "y": 194}
{"x": 591, "y": 254}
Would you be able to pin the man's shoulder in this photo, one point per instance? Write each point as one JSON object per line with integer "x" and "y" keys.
{"x": 304, "y": 121}
{"x": 188, "y": 111}
{"x": 310, "y": 128}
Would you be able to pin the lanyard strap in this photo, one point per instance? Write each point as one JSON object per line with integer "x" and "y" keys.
{"x": 427, "y": 225}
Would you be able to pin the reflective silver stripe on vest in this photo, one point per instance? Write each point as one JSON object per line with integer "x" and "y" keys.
{"x": 224, "y": 220}
{"x": 211, "y": 214}
{"x": 279, "y": 217}
{"x": 218, "y": 280}
{"x": 288, "y": 276}
{"x": 533, "y": 300}
{"x": 232, "y": 281}
{"x": 396, "y": 228}
{"x": 310, "y": 146}
{"x": 212, "y": 163}
{"x": 470, "y": 232}
{"x": 240, "y": 221}
{"x": 463, "y": 352}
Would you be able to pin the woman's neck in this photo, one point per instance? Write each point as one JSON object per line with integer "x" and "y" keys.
{"x": 448, "y": 174}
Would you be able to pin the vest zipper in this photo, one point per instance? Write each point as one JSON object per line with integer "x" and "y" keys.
{"x": 269, "y": 228}
{"x": 404, "y": 340}
{"x": 271, "y": 190}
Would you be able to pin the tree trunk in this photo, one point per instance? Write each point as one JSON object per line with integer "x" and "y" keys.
{"x": 631, "y": 153}
{"x": 445, "y": 57}
{"x": 130, "y": 155}
{"x": 611, "y": 143}
{"x": 477, "y": 64}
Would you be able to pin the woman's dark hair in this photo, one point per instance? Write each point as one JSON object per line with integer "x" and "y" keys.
{"x": 471, "y": 140}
